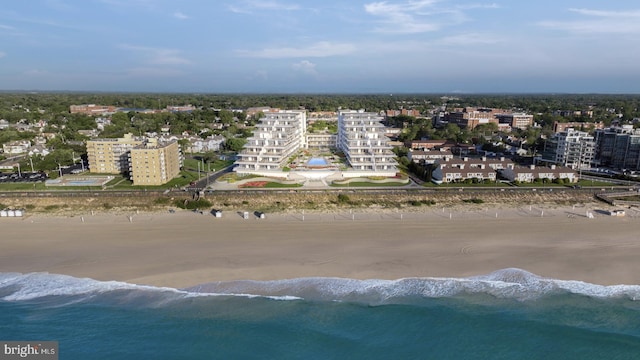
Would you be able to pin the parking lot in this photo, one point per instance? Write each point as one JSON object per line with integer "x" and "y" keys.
{"x": 23, "y": 177}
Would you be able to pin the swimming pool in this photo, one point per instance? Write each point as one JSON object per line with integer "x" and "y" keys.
{"x": 317, "y": 162}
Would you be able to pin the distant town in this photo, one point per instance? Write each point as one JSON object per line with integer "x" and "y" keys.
{"x": 174, "y": 141}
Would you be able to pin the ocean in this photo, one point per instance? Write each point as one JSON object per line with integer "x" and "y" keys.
{"x": 509, "y": 314}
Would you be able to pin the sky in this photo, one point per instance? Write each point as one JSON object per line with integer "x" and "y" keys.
{"x": 321, "y": 46}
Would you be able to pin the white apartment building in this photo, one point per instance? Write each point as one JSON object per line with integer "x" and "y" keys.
{"x": 570, "y": 148}
{"x": 361, "y": 137}
{"x": 278, "y": 136}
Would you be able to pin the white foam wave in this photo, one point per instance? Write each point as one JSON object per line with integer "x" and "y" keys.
{"x": 35, "y": 285}
{"x": 506, "y": 284}
{"x": 22, "y": 287}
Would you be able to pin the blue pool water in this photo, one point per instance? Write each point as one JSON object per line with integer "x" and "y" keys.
{"x": 317, "y": 162}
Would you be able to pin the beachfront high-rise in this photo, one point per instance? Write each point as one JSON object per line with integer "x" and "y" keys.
{"x": 618, "y": 147}
{"x": 278, "y": 136}
{"x": 571, "y": 148}
{"x": 111, "y": 156}
{"x": 154, "y": 162}
{"x": 147, "y": 161}
{"x": 361, "y": 137}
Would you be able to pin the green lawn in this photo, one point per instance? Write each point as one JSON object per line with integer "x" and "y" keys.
{"x": 465, "y": 185}
{"x": 368, "y": 184}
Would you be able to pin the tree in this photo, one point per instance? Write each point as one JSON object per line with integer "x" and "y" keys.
{"x": 209, "y": 156}
{"x": 184, "y": 145}
{"x": 234, "y": 144}
{"x": 226, "y": 117}
{"x": 120, "y": 120}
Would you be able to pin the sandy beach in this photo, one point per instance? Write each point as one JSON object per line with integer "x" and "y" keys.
{"x": 185, "y": 248}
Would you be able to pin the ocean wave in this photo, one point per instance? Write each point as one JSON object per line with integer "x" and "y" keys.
{"x": 513, "y": 284}
{"x": 24, "y": 287}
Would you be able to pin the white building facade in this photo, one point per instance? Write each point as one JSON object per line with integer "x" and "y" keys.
{"x": 361, "y": 137}
{"x": 278, "y": 136}
{"x": 570, "y": 148}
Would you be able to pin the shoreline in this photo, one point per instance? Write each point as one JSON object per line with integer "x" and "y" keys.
{"x": 186, "y": 249}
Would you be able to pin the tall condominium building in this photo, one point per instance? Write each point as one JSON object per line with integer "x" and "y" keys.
{"x": 111, "y": 156}
{"x": 361, "y": 138}
{"x": 618, "y": 147}
{"x": 571, "y": 148}
{"x": 154, "y": 163}
{"x": 278, "y": 136}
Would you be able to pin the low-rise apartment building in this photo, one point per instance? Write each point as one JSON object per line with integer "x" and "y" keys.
{"x": 429, "y": 156}
{"x": 478, "y": 169}
{"x": 531, "y": 173}
{"x": 92, "y": 109}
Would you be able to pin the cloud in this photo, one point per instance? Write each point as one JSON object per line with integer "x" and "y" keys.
{"x": 251, "y": 6}
{"x": 478, "y": 6}
{"x": 2, "y": 54}
{"x": 598, "y": 22}
{"x": 419, "y": 16}
{"x": 401, "y": 17}
{"x": 305, "y": 66}
{"x": 158, "y": 56}
{"x": 179, "y": 15}
{"x": 634, "y": 14}
{"x": 469, "y": 39}
{"x": 319, "y": 49}
{"x": 6, "y": 27}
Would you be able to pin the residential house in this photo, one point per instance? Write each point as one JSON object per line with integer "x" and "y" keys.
{"x": 211, "y": 143}
{"x": 40, "y": 150}
{"x": 16, "y": 147}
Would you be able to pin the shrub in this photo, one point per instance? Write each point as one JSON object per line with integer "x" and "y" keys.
{"x": 474, "y": 201}
{"x": 343, "y": 199}
{"x": 107, "y": 206}
{"x": 51, "y": 207}
{"x": 192, "y": 204}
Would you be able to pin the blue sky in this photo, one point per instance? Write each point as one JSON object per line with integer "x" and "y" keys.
{"x": 322, "y": 46}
